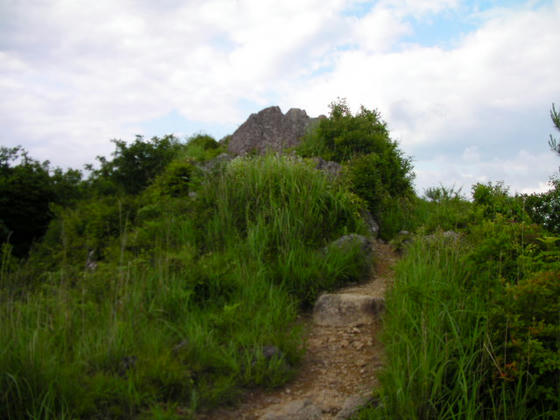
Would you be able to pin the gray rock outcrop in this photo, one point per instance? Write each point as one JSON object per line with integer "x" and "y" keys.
{"x": 350, "y": 240}
{"x": 270, "y": 130}
{"x": 370, "y": 222}
{"x": 332, "y": 169}
{"x": 347, "y": 309}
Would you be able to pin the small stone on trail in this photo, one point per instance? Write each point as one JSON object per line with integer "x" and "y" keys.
{"x": 294, "y": 410}
{"x": 346, "y": 309}
{"x": 329, "y": 401}
{"x": 352, "y": 405}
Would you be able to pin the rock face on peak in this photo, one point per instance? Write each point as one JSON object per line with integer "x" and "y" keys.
{"x": 270, "y": 130}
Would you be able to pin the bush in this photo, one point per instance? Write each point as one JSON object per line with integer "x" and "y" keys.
{"x": 527, "y": 318}
{"x": 544, "y": 208}
{"x": 133, "y": 166}
{"x": 202, "y": 148}
{"x": 176, "y": 179}
{"x": 376, "y": 170}
{"x": 493, "y": 199}
{"x": 28, "y": 188}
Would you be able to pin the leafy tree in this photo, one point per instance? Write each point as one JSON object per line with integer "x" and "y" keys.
{"x": 202, "y": 148}
{"x": 376, "y": 169}
{"x": 133, "y": 166}
{"x": 343, "y": 136}
{"x": 27, "y": 191}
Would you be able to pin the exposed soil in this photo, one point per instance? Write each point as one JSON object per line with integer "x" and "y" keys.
{"x": 340, "y": 362}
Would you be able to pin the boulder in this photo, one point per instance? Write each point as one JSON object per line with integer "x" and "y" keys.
{"x": 294, "y": 410}
{"x": 270, "y": 130}
{"x": 332, "y": 169}
{"x": 350, "y": 240}
{"x": 346, "y": 309}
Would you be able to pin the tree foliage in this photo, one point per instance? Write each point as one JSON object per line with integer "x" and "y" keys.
{"x": 134, "y": 165}
{"x": 28, "y": 188}
{"x": 376, "y": 169}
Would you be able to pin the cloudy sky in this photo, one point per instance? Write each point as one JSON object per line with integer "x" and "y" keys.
{"x": 465, "y": 86}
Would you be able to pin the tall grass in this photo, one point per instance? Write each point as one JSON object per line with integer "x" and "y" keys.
{"x": 443, "y": 359}
{"x": 176, "y": 317}
{"x": 433, "y": 332}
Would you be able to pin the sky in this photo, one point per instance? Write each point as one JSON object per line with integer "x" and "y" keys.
{"x": 465, "y": 87}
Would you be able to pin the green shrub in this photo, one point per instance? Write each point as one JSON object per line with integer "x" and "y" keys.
{"x": 176, "y": 179}
{"x": 203, "y": 147}
{"x": 492, "y": 199}
{"x": 134, "y": 166}
{"x": 544, "y": 208}
{"x": 28, "y": 189}
{"x": 526, "y": 317}
{"x": 376, "y": 170}
{"x": 443, "y": 209}
{"x": 504, "y": 249}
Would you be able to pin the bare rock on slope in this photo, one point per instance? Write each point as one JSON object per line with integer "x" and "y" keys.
{"x": 270, "y": 130}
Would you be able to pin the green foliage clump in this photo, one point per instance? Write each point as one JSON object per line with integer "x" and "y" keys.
{"x": 528, "y": 315}
{"x": 133, "y": 166}
{"x": 504, "y": 248}
{"x": 203, "y": 147}
{"x": 443, "y": 209}
{"x": 493, "y": 199}
{"x": 376, "y": 170}
{"x": 28, "y": 188}
{"x": 544, "y": 208}
{"x": 343, "y": 136}
{"x": 176, "y": 179}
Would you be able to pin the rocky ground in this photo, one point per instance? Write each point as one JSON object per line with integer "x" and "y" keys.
{"x": 342, "y": 359}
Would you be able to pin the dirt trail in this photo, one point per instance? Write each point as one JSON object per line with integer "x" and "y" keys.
{"x": 340, "y": 362}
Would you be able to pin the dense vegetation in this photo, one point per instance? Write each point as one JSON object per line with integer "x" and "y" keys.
{"x": 375, "y": 168}
{"x": 473, "y": 322}
{"x": 171, "y": 278}
{"x": 164, "y": 289}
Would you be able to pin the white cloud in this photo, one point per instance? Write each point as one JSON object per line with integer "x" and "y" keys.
{"x": 524, "y": 172}
{"x": 75, "y": 74}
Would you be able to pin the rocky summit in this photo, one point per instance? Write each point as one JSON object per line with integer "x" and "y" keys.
{"x": 270, "y": 130}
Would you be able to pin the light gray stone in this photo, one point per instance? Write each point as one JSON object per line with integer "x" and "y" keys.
{"x": 352, "y": 240}
{"x": 347, "y": 309}
{"x": 332, "y": 169}
{"x": 352, "y": 405}
{"x": 294, "y": 410}
{"x": 370, "y": 222}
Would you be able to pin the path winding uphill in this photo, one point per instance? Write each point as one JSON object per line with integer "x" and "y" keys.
{"x": 342, "y": 358}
